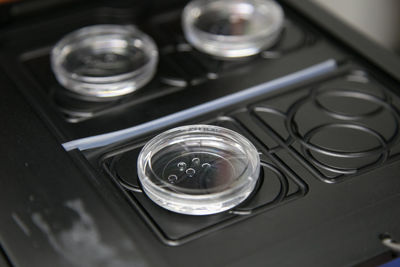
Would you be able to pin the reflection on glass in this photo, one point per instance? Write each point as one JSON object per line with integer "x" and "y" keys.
{"x": 232, "y": 28}
{"x": 198, "y": 169}
{"x": 104, "y": 60}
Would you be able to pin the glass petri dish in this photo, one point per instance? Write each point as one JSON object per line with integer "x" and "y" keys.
{"x": 198, "y": 169}
{"x": 232, "y": 28}
{"x": 104, "y": 61}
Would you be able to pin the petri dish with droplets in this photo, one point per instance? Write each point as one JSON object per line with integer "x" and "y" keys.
{"x": 104, "y": 61}
{"x": 232, "y": 28}
{"x": 198, "y": 169}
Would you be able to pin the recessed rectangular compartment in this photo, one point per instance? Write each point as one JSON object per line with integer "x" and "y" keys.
{"x": 277, "y": 185}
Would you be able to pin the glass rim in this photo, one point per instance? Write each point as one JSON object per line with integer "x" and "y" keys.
{"x": 231, "y": 46}
{"x": 188, "y": 22}
{"x": 128, "y": 31}
{"x": 252, "y": 168}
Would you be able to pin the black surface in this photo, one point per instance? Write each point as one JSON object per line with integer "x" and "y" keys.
{"x": 4, "y": 262}
{"x": 63, "y": 209}
{"x": 379, "y": 260}
{"x": 50, "y": 214}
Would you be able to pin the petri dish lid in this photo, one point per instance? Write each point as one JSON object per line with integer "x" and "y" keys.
{"x": 198, "y": 169}
{"x": 232, "y": 28}
{"x": 103, "y": 61}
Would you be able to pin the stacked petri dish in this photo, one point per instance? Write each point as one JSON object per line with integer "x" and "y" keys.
{"x": 232, "y": 28}
{"x": 198, "y": 169}
{"x": 104, "y": 61}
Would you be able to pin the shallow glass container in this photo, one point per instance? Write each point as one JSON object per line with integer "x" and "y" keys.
{"x": 232, "y": 28}
{"x": 104, "y": 61}
{"x": 198, "y": 169}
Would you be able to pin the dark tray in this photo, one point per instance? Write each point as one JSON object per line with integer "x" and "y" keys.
{"x": 329, "y": 188}
{"x": 353, "y": 131}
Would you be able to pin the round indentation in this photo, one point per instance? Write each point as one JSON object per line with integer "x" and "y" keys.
{"x": 344, "y": 148}
{"x": 293, "y": 129}
{"x": 230, "y": 28}
{"x": 272, "y": 187}
{"x": 104, "y": 61}
{"x": 350, "y": 140}
{"x": 345, "y": 138}
{"x": 290, "y": 38}
{"x": 347, "y": 105}
{"x": 276, "y": 120}
{"x": 221, "y": 169}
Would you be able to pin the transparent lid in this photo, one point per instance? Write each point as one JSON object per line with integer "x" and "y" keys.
{"x": 198, "y": 169}
{"x": 104, "y": 60}
{"x": 232, "y": 28}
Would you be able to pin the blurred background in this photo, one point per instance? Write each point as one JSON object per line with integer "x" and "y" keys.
{"x": 378, "y": 19}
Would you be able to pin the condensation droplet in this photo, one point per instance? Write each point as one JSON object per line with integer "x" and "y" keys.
{"x": 172, "y": 178}
{"x": 190, "y": 172}
{"x": 206, "y": 165}
{"x": 181, "y": 166}
{"x": 196, "y": 161}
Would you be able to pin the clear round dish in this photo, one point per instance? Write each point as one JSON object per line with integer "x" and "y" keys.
{"x": 103, "y": 61}
{"x": 198, "y": 169}
{"x": 232, "y": 28}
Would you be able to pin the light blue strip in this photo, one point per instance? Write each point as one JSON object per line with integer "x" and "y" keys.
{"x": 393, "y": 263}
{"x": 108, "y": 138}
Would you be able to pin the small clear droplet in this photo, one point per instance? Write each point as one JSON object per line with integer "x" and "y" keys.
{"x": 172, "y": 178}
{"x": 181, "y": 166}
{"x": 196, "y": 161}
{"x": 206, "y": 165}
{"x": 190, "y": 172}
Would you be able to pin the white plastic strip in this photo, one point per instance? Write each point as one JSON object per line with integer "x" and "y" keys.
{"x": 116, "y": 136}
